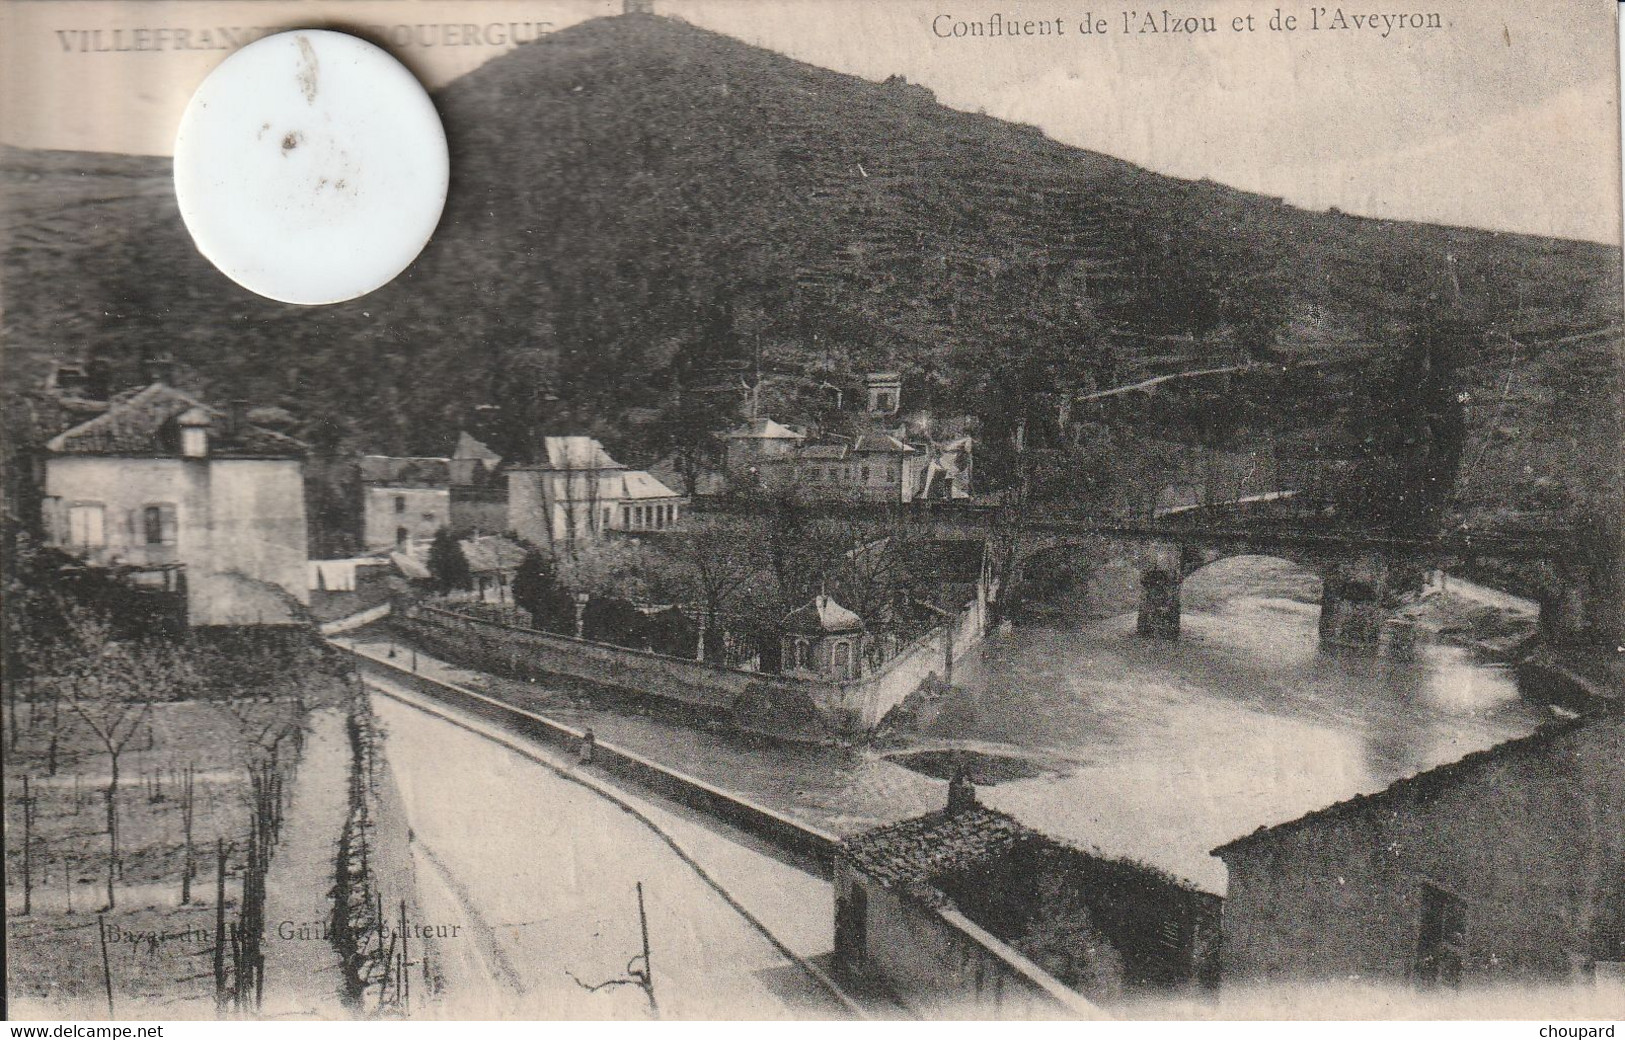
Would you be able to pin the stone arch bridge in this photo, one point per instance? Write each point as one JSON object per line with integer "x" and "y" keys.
{"x": 1363, "y": 575}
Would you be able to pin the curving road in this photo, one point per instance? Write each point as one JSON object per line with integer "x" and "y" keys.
{"x": 539, "y": 871}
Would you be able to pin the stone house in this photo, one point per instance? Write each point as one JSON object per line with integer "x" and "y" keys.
{"x": 404, "y": 501}
{"x": 968, "y": 913}
{"x": 1506, "y": 865}
{"x": 479, "y": 489}
{"x": 757, "y": 442}
{"x": 577, "y": 492}
{"x": 822, "y": 639}
{"x": 184, "y": 495}
{"x": 878, "y": 459}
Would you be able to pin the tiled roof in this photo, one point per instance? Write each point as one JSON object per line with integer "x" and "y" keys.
{"x": 913, "y": 853}
{"x": 765, "y": 429}
{"x": 822, "y": 451}
{"x": 633, "y": 485}
{"x": 469, "y": 448}
{"x": 141, "y": 423}
{"x": 882, "y": 443}
{"x": 820, "y": 616}
{"x": 577, "y": 453}
{"x": 393, "y": 471}
{"x": 492, "y": 554}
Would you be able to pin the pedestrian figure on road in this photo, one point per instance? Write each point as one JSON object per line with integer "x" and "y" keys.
{"x": 585, "y": 754}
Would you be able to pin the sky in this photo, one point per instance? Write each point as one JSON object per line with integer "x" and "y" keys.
{"x": 1505, "y": 116}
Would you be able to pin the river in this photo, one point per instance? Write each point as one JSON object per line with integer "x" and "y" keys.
{"x": 1152, "y": 750}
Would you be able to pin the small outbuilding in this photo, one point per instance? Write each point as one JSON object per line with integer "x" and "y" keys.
{"x": 823, "y": 640}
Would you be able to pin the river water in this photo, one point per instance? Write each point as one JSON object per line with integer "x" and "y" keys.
{"x": 1151, "y": 750}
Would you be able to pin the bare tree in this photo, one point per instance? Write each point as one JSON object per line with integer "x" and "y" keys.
{"x": 724, "y": 562}
{"x": 111, "y": 687}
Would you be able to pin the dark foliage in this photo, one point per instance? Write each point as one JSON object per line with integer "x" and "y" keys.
{"x": 537, "y": 591}
{"x": 448, "y": 567}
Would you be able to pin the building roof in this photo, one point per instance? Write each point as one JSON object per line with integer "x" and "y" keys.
{"x": 469, "y": 448}
{"x": 823, "y": 615}
{"x": 408, "y": 566}
{"x": 632, "y": 485}
{"x": 392, "y": 471}
{"x": 871, "y": 443}
{"x": 143, "y": 423}
{"x": 1421, "y": 785}
{"x": 815, "y": 452}
{"x": 764, "y": 430}
{"x": 573, "y": 453}
{"x": 913, "y": 853}
{"x": 492, "y": 554}
{"x": 880, "y": 379}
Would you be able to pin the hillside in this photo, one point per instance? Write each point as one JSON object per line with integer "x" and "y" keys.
{"x": 639, "y": 205}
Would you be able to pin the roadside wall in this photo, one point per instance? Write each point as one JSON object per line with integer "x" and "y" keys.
{"x": 939, "y": 964}
{"x": 932, "y": 959}
{"x": 775, "y": 827}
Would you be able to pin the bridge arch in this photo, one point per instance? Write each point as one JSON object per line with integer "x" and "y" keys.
{"x": 1357, "y": 594}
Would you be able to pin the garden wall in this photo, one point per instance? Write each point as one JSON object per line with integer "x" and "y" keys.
{"x": 759, "y": 701}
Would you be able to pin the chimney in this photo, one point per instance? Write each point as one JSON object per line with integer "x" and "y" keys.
{"x": 236, "y": 417}
{"x": 98, "y": 379}
{"x": 158, "y": 370}
{"x": 961, "y": 792}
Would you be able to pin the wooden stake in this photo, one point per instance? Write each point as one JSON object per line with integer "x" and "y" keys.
{"x": 107, "y": 970}
{"x": 28, "y": 850}
{"x": 220, "y": 926}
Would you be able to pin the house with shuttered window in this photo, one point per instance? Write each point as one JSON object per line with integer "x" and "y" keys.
{"x": 164, "y": 488}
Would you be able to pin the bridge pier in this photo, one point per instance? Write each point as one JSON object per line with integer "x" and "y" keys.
{"x": 1354, "y": 606}
{"x": 1159, "y": 604}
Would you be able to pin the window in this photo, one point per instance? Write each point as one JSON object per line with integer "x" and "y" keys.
{"x": 607, "y": 513}
{"x": 866, "y": 474}
{"x": 86, "y": 525}
{"x": 158, "y": 524}
{"x": 1442, "y": 943}
{"x": 843, "y": 658}
{"x": 194, "y": 442}
{"x": 401, "y": 535}
{"x": 400, "y": 503}
{"x": 803, "y": 654}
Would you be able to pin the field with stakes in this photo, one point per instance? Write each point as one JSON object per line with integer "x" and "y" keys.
{"x": 141, "y": 817}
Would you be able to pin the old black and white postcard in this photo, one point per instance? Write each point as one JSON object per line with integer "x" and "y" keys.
{"x": 915, "y": 509}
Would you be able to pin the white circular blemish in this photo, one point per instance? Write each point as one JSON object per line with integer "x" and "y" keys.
{"x": 311, "y": 167}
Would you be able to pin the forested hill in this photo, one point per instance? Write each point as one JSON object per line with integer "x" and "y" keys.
{"x": 638, "y": 204}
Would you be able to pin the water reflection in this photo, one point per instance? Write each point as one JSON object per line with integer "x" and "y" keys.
{"x": 1242, "y": 723}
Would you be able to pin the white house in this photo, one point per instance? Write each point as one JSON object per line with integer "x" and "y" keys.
{"x": 162, "y": 484}
{"x": 403, "y": 500}
{"x": 577, "y": 492}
